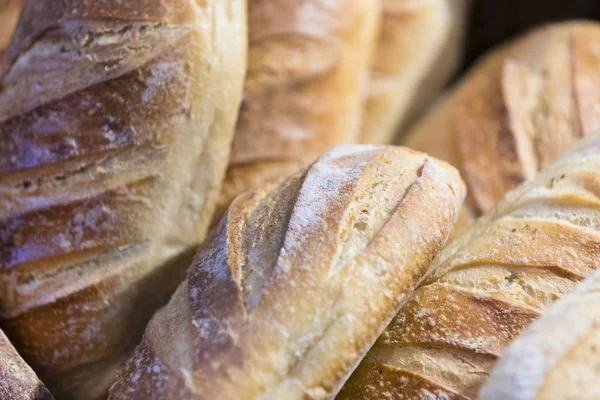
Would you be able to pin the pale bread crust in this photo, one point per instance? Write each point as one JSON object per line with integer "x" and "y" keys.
{"x": 516, "y": 111}
{"x": 297, "y": 282}
{"x": 490, "y": 284}
{"x": 116, "y": 121}
{"x": 419, "y": 49}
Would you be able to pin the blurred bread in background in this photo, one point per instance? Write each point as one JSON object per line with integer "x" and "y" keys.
{"x": 419, "y": 50}
{"x": 515, "y": 111}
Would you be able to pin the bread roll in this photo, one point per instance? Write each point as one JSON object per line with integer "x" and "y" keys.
{"x": 420, "y": 48}
{"x": 557, "y": 357}
{"x": 308, "y": 68}
{"x": 115, "y": 125}
{"x": 487, "y": 286}
{"x": 298, "y": 282}
{"x": 516, "y": 111}
{"x": 17, "y": 380}
{"x": 9, "y": 14}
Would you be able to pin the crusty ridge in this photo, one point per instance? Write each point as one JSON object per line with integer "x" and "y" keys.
{"x": 488, "y": 285}
{"x": 297, "y": 282}
{"x": 557, "y": 356}
{"x": 108, "y": 110}
{"x": 516, "y": 111}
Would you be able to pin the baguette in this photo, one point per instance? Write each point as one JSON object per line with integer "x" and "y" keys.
{"x": 17, "y": 379}
{"x": 116, "y": 120}
{"x": 488, "y": 285}
{"x": 307, "y": 72}
{"x": 557, "y": 357}
{"x": 298, "y": 282}
{"x": 515, "y": 112}
{"x": 419, "y": 49}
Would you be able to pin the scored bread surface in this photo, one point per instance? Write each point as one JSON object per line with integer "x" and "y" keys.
{"x": 488, "y": 285}
{"x": 116, "y": 120}
{"x": 298, "y": 282}
{"x": 558, "y": 356}
{"x": 516, "y": 111}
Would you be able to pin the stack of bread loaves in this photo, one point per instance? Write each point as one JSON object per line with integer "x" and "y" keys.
{"x": 296, "y": 284}
{"x": 129, "y": 128}
{"x": 307, "y": 83}
{"x": 488, "y": 285}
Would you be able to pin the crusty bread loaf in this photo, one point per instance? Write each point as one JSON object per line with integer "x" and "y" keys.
{"x": 9, "y": 14}
{"x": 307, "y": 76}
{"x": 488, "y": 285}
{"x": 516, "y": 111}
{"x": 558, "y": 356}
{"x": 298, "y": 282}
{"x": 116, "y": 120}
{"x": 17, "y": 379}
{"x": 419, "y": 48}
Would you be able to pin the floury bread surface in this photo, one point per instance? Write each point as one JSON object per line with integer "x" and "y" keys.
{"x": 515, "y": 112}
{"x": 116, "y": 119}
{"x": 488, "y": 285}
{"x": 17, "y": 379}
{"x": 297, "y": 282}
{"x": 308, "y": 74}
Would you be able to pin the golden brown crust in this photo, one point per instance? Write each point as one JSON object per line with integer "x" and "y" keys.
{"x": 107, "y": 113}
{"x": 488, "y": 285}
{"x": 307, "y": 70}
{"x": 557, "y": 356}
{"x": 516, "y": 110}
{"x": 17, "y": 380}
{"x": 272, "y": 300}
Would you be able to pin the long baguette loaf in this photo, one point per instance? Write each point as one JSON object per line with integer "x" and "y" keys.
{"x": 488, "y": 285}
{"x": 307, "y": 76}
{"x": 17, "y": 379}
{"x": 298, "y": 282}
{"x": 9, "y": 14}
{"x": 419, "y": 49}
{"x": 557, "y": 357}
{"x": 516, "y": 111}
{"x": 116, "y": 120}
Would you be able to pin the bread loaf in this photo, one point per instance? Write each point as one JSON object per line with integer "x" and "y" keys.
{"x": 488, "y": 285}
{"x": 116, "y": 120}
{"x": 17, "y": 380}
{"x": 298, "y": 282}
{"x": 516, "y": 111}
{"x": 9, "y": 13}
{"x": 557, "y": 357}
{"x": 308, "y": 68}
{"x": 419, "y": 49}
